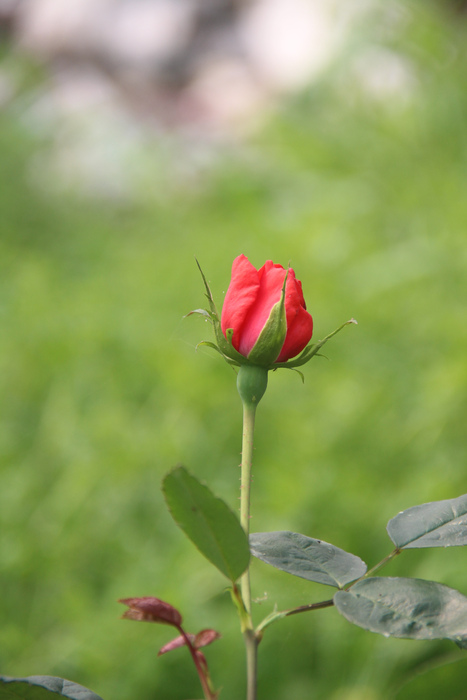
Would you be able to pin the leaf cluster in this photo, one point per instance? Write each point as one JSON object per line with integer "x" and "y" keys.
{"x": 393, "y": 606}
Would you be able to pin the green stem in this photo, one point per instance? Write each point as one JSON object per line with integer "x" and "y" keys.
{"x": 251, "y": 384}
{"x": 251, "y": 641}
{"x": 251, "y": 646}
{"x": 249, "y": 412}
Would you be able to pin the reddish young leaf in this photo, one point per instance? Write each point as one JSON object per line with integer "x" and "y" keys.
{"x": 149, "y": 609}
{"x": 202, "y": 639}
{"x": 176, "y": 643}
{"x": 205, "y": 637}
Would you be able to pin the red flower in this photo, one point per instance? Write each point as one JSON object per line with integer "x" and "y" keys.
{"x": 252, "y": 309}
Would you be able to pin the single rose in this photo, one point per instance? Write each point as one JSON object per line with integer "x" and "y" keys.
{"x": 265, "y": 321}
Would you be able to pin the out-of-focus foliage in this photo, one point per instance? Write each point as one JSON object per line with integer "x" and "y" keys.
{"x": 102, "y": 390}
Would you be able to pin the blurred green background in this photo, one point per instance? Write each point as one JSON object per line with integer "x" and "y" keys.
{"x": 102, "y": 390}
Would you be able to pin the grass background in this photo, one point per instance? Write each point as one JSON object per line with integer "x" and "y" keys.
{"x": 102, "y": 390}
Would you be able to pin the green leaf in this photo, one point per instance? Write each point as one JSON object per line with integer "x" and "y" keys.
{"x": 437, "y": 524}
{"x": 406, "y": 607}
{"x": 43, "y": 688}
{"x": 208, "y": 521}
{"x": 303, "y": 556}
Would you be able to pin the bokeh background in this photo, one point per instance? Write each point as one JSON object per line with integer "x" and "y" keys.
{"x": 135, "y": 136}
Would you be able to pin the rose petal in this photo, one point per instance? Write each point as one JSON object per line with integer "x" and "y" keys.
{"x": 298, "y": 335}
{"x": 250, "y": 298}
{"x": 269, "y": 293}
{"x": 299, "y": 321}
{"x": 240, "y": 297}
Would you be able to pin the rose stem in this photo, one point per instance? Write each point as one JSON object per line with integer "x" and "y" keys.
{"x": 251, "y": 641}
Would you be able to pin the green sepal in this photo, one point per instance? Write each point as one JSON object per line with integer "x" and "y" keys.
{"x": 209, "y": 344}
{"x": 202, "y": 312}
{"x": 310, "y": 350}
{"x": 232, "y": 352}
{"x": 224, "y": 345}
{"x": 271, "y": 339}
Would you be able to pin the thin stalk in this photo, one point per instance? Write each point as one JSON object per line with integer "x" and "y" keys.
{"x": 209, "y": 692}
{"x": 376, "y": 567}
{"x": 382, "y": 563}
{"x": 280, "y": 614}
{"x": 251, "y": 640}
{"x": 312, "y": 606}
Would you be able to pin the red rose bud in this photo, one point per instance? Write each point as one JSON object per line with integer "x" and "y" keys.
{"x": 264, "y": 313}
{"x": 150, "y": 609}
